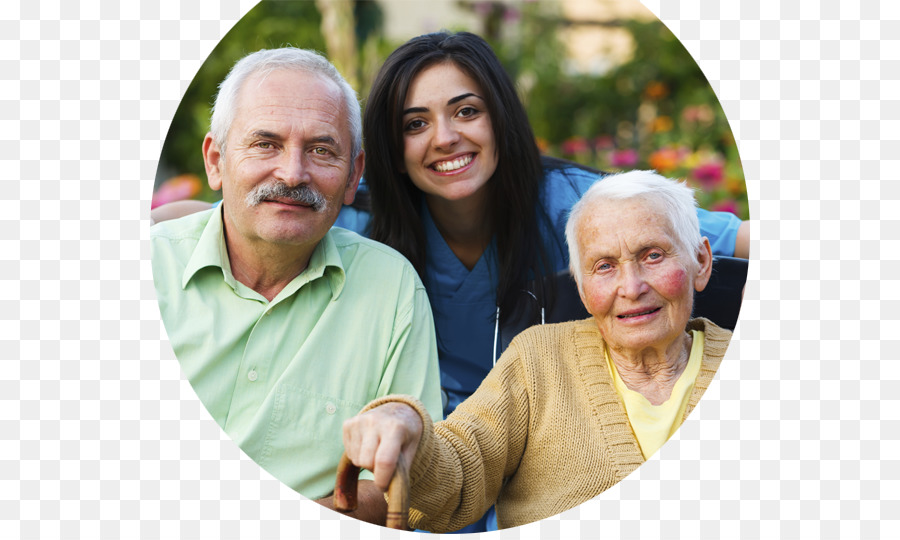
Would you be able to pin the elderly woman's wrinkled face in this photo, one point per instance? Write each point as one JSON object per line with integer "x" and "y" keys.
{"x": 635, "y": 283}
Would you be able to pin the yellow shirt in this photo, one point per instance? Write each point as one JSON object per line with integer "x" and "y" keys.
{"x": 654, "y": 424}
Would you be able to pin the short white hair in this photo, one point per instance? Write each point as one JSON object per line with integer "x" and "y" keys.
{"x": 676, "y": 199}
{"x": 265, "y": 61}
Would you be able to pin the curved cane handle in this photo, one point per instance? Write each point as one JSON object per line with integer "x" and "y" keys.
{"x": 345, "y": 488}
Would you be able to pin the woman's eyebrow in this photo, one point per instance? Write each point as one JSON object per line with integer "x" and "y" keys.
{"x": 415, "y": 110}
{"x": 462, "y": 97}
{"x": 451, "y": 101}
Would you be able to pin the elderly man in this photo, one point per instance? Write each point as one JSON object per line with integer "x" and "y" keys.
{"x": 284, "y": 326}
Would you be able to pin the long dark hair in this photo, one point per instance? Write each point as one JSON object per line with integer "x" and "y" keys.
{"x": 512, "y": 190}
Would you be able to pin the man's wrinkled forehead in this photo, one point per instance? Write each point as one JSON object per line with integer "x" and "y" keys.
{"x": 325, "y": 99}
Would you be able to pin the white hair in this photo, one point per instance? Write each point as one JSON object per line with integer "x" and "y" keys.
{"x": 676, "y": 199}
{"x": 290, "y": 58}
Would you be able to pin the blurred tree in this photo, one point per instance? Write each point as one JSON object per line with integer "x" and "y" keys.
{"x": 271, "y": 24}
{"x": 655, "y": 110}
{"x": 338, "y": 28}
{"x": 268, "y": 25}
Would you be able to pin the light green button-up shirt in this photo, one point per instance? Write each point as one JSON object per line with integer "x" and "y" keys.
{"x": 280, "y": 377}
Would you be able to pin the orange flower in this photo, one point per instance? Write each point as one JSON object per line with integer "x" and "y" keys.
{"x": 664, "y": 160}
{"x": 180, "y": 187}
{"x": 661, "y": 124}
{"x": 735, "y": 185}
{"x": 656, "y": 90}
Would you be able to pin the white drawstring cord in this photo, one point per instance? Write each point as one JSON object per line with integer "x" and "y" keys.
{"x": 496, "y": 333}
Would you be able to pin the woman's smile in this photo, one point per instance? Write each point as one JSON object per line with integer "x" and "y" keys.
{"x": 454, "y": 165}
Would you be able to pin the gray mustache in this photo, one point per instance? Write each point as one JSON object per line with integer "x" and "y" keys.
{"x": 302, "y": 194}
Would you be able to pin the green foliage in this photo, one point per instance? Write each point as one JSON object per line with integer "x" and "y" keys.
{"x": 654, "y": 111}
{"x": 270, "y": 24}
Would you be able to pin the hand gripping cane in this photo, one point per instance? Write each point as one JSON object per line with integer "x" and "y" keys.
{"x": 398, "y": 492}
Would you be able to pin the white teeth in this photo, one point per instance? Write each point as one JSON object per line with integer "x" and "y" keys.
{"x": 458, "y": 163}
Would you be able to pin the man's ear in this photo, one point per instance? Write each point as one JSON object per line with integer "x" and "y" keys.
{"x": 212, "y": 160}
{"x": 359, "y": 164}
{"x": 704, "y": 258}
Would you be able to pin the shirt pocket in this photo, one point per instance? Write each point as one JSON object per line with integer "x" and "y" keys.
{"x": 304, "y": 439}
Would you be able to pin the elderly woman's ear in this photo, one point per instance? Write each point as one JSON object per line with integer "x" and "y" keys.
{"x": 704, "y": 271}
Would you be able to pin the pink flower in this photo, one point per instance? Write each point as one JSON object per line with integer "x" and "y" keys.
{"x": 623, "y": 158}
{"x": 178, "y": 188}
{"x": 511, "y": 15}
{"x": 574, "y": 145}
{"x": 725, "y": 205}
{"x": 698, "y": 114}
{"x": 709, "y": 174}
{"x": 603, "y": 142}
{"x": 484, "y": 8}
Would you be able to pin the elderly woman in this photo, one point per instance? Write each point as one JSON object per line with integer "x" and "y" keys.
{"x": 573, "y": 408}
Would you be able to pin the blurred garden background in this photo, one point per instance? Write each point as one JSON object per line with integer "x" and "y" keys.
{"x": 604, "y": 82}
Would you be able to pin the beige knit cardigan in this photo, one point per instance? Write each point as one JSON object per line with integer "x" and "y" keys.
{"x": 545, "y": 432}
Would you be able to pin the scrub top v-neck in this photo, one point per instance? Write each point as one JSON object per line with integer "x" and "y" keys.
{"x": 464, "y": 305}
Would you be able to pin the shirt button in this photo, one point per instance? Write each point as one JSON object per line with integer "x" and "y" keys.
{"x": 252, "y": 375}
{"x": 330, "y": 408}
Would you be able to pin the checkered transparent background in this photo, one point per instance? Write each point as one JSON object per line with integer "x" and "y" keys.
{"x": 100, "y": 437}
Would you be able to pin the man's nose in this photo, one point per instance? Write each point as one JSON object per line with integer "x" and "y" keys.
{"x": 292, "y": 168}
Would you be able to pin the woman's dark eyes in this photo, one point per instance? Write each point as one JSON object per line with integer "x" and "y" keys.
{"x": 415, "y": 124}
{"x": 465, "y": 112}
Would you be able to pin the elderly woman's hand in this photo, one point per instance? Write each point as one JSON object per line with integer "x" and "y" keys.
{"x": 375, "y": 439}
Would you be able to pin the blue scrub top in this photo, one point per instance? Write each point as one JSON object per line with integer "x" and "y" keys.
{"x": 464, "y": 302}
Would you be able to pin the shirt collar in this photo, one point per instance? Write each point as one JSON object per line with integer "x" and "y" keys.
{"x": 211, "y": 251}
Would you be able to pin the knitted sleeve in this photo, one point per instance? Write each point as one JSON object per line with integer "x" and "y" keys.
{"x": 461, "y": 462}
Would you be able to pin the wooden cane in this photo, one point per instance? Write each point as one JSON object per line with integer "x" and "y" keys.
{"x": 345, "y": 490}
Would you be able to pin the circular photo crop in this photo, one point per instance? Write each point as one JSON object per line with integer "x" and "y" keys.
{"x": 484, "y": 257}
